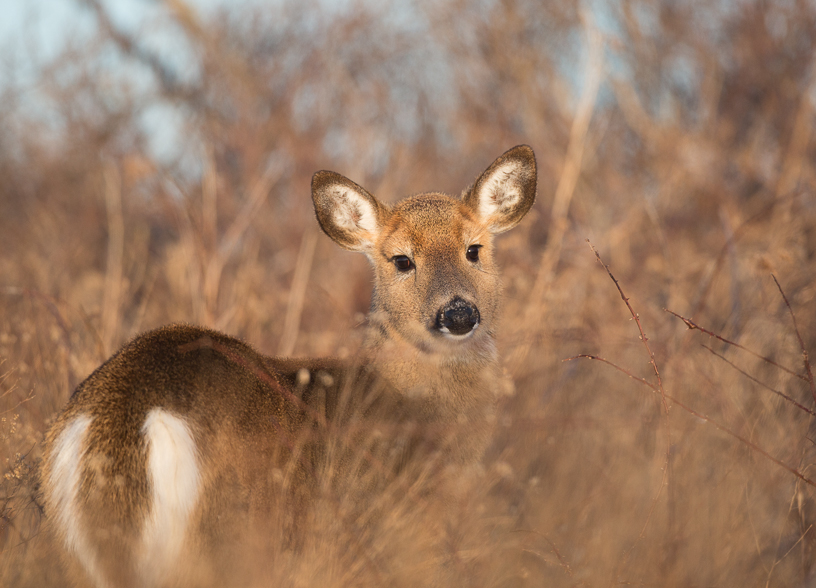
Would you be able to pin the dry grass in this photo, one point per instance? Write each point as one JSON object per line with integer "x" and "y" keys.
{"x": 685, "y": 157}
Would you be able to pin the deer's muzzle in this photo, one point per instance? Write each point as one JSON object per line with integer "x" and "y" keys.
{"x": 457, "y": 317}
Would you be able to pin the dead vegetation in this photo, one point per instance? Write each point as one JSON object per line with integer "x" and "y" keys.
{"x": 676, "y": 137}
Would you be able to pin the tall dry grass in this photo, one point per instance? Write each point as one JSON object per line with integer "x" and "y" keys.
{"x": 675, "y": 137}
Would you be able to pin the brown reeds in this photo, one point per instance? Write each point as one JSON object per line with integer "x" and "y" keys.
{"x": 674, "y": 136}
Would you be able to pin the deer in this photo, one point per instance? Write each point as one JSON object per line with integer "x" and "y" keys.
{"x": 184, "y": 419}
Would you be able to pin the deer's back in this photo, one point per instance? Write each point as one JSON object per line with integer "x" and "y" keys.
{"x": 181, "y": 422}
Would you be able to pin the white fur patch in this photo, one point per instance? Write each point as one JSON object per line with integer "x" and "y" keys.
{"x": 66, "y": 473}
{"x": 352, "y": 212}
{"x": 173, "y": 474}
{"x": 501, "y": 191}
{"x": 446, "y": 332}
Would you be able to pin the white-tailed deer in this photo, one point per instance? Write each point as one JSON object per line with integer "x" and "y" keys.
{"x": 184, "y": 420}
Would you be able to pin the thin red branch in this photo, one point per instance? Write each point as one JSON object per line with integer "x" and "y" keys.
{"x": 801, "y": 343}
{"x": 639, "y": 326}
{"x": 705, "y": 418}
{"x": 692, "y": 326}
{"x": 614, "y": 365}
{"x": 664, "y": 480}
{"x": 764, "y": 385}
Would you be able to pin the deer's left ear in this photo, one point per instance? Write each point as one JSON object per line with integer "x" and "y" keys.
{"x": 505, "y": 191}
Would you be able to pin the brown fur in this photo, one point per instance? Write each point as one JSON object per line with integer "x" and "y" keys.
{"x": 257, "y": 419}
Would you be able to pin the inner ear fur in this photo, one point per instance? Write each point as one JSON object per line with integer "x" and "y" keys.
{"x": 347, "y": 212}
{"x": 506, "y": 190}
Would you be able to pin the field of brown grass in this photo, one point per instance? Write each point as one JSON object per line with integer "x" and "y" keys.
{"x": 675, "y": 137}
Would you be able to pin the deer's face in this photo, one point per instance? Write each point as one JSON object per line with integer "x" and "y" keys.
{"x": 436, "y": 286}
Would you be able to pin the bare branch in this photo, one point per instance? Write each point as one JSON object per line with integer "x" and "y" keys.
{"x": 753, "y": 379}
{"x": 707, "y": 419}
{"x": 639, "y": 326}
{"x": 692, "y": 326}
{"x": 801, "y": 343}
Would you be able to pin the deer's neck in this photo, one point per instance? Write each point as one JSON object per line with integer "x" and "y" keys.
{"x": 459, "y": 385}
{"x": 453, "y": 394}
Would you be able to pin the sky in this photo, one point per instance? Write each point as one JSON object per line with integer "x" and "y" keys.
{"x": 44, "y": 26}
{"x": 34, "y": 32}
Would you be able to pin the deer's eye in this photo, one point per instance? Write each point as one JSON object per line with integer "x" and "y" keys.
{"x": 403, "y": 263}
{"x": 472, "y": 253}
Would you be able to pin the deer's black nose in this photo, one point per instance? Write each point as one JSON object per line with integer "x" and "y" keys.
{"x": 457, "y": 317}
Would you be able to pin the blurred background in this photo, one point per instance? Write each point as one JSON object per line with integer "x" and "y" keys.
{"x": 155, "y": 160}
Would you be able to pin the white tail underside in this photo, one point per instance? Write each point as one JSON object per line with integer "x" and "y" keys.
{"x": 173, "y": 473}
{"x": 174, "y": 481}
{"x": 66, "y": 471}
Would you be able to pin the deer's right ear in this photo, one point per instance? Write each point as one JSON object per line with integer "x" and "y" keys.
{"x": 346, "y": 212}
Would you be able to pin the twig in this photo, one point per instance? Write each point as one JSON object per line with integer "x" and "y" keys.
{"x": 639, "y": 326}
{"x": 614, "y": 365}
{"x": 664, "y": 480}
{"x": 19, "y": 404}
{"x": 692, "y": 326}
{"x": 705, "y": 418}
{"x": 778, "y": 560}
{"x": 799, "y": 337}
{"x": 753, "y": 379}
